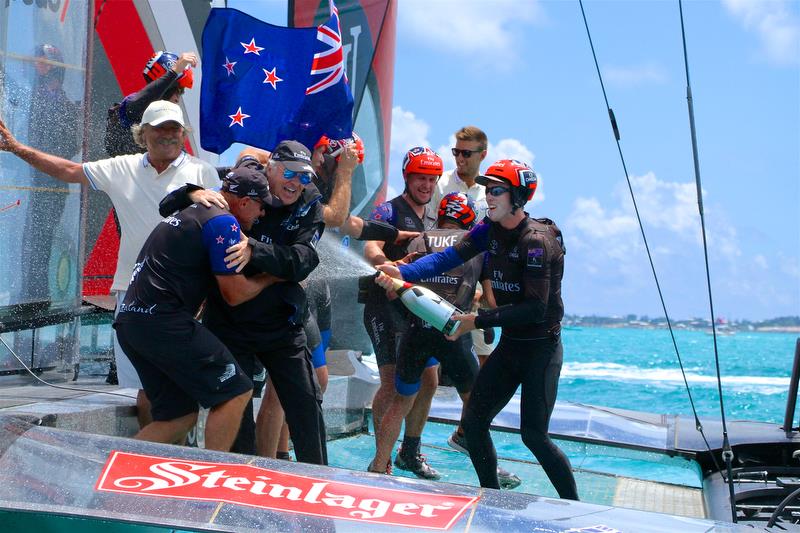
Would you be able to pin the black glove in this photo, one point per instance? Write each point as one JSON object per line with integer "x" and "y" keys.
{"x": 488, "y": 335}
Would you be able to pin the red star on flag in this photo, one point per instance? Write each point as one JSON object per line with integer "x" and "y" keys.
{"x": 252, "y": 47}
{"x": 234, "y": 227}
{"x": 271, "y": 78}
{"x": 228, "y": 65}
{"x": 238, "y": 118}
{"x": 220, "y": 239}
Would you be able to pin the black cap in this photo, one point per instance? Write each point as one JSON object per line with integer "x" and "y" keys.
{"x": 244, "y": 181}
{"x": 294, "y": 156}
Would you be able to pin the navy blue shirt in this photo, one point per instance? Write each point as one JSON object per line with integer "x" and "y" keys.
{"x": 175, "y": 269}
{"x": 525, "y": 265}
{"x": 284, "y": 244}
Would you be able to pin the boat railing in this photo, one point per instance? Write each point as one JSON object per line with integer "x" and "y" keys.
{"x": 791, "y": 400}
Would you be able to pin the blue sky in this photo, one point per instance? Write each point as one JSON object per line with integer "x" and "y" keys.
{"x": 524, "y": 73}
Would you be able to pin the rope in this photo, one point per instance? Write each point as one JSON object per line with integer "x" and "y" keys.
{"x": 698, "y": 424}
{"x": 727, "y": 452}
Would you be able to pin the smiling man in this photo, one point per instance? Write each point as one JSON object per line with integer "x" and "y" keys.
{"x": 468, "y": 153}
{"x": 525, "y": 258}
{"x": 135, "y": 184}
{"x": 386, "y": 320}
{"x": 269, "y": 328}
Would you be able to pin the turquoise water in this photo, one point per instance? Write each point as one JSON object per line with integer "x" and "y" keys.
{"x": 598, "y": 469}
{"x": 637, "y": 369}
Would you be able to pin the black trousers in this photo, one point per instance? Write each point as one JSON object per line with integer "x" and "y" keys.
{"x": 535, "y": 365}
{"x": 288, "y": 363}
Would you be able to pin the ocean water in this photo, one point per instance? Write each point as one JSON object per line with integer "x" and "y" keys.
{"x": 637, "y": 369}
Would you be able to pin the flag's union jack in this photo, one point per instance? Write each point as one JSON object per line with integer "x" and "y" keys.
{"x": 330, "y": 61}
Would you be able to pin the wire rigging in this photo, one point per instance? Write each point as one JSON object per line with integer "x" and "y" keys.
{"x": 74, "y": 389}
{"x": 727, "y": 452}
{"x": 614, "y": 126}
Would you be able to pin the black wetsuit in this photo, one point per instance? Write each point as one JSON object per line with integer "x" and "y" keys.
{"x": 421, "y": 341}
{"x": 526, "y": 265}
{"x": 178, "y": 360}
{"x": 385, "y": 321}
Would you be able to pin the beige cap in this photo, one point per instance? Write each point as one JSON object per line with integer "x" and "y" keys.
{"x": 162, "y": 111}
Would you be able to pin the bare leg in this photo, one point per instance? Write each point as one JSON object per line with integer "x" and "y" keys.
{"x": 167, "y": 431}
{"x": 390, "y": 430}
{"x": 416, "y": 418}
{"x": 143, "y": 408}
{"x": 223, "y": 422}
{"x": 269, "y": 423}
{"x": 383, "y": 396}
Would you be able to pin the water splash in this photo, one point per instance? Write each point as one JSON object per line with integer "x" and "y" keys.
{"x": 339, "y": 262}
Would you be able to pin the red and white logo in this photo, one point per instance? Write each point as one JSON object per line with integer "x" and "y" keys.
{"x": 252, "y": 486}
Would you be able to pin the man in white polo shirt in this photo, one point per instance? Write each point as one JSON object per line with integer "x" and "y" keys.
{"x": 469, "y": 152}
{"x": 136, "y": 184}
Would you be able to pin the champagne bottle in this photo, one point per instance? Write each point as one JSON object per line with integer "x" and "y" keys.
{"x": 428, "y": 306}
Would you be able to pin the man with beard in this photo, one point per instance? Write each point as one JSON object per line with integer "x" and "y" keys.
{"x": 167, "y": 77}
{"x": 386, "y": 320}
{"x": 135, "y": 184}
{"x": 525, "y": 257}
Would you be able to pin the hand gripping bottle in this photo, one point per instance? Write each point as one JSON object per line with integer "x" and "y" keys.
{"x": 428, "y": 306}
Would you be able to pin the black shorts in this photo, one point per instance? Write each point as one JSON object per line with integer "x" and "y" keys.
{"x": 419, "y": 344}
{"x": 181, "y": 364}
{"x": 385, "y": 322}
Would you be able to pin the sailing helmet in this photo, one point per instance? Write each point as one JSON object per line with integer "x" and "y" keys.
{"x": 160, "y": 63}
{"x": 459, "y": 207}
{"x": 52, "y": 54}
{"x": 517, "y": 174}
{"x": 334, "y": 147}
{"x": 422, "y": 160}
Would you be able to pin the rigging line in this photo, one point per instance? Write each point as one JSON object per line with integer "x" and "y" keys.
{"x": 727, "y": 452}
{"x": 612, "y": 118}
{"x": 74, "y": 389}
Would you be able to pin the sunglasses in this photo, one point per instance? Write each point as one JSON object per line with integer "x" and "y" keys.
{"x": 304, "y": 177}
{"x": 497, "y": 190}
{"x": 466, "y": 153}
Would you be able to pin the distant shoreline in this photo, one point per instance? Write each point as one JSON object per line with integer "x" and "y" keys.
{"x": 722, "y": 330}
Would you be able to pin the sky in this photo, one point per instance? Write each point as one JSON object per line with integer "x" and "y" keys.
{"x": 524, "y": 73}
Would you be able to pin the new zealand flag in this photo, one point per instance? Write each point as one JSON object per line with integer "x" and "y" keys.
{"x": 263, "y": 84}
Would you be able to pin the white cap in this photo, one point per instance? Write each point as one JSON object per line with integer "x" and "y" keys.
{"x": 162, "y": 111}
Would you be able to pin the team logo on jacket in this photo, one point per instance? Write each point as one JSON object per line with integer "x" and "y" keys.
{"x": 536, "y": 257}
{"x": 493, "y": 247}
{"x": 514, "y": 253}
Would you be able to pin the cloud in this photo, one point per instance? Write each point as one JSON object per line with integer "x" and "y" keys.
{"x": 470, "y": 28}
{"x": 609, "y": 271}
{"x": 776, "y": 26}
{"x": 407, "y": 130}
{"x": 635, "y": 76}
